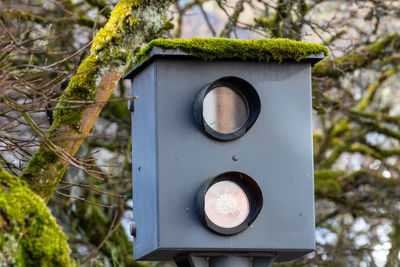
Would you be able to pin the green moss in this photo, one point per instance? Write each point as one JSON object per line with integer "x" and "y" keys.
{"x": 120, "y": 21}
{"x": 29, "y": 234}
{"x": 107, "y": 49}
{"x": 265, "y": 22}
{"x": 262, "y": 50}
{"x": 81, "y": 88}
{"x": 382, "y": 44}
{"x": 35, "y": 174}
{"x": 39, "y": 162}
{"x": 326, "y": 182}
{"x": 81, "y": 85}
{"x": 26, "y": 16}
{"x": 365, "y": 150}
{"x": 113, "y": 47}
{"x": 357, "y": 59}
{"x": 21, "y": 15}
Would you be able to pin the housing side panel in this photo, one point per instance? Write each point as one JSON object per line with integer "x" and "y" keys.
{"x": 144, "y": 171}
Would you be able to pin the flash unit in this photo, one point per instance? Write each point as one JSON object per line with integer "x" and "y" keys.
{"x": 227, "y": 108}
{"x": 229, "y": 203}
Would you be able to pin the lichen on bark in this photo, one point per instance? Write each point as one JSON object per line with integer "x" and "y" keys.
{"x": 29, "y": 234}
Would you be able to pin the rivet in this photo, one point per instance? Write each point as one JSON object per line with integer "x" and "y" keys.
{"x": 235, "y": 157}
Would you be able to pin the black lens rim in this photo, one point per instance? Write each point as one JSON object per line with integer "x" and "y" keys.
{"x": 253, "y": 193}
{"x": 242, "y": 88}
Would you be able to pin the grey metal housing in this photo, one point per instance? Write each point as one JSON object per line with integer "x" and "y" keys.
{"x": 172, "y": 158}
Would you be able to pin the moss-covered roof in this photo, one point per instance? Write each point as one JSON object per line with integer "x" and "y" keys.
{"x": 262, "y": 50}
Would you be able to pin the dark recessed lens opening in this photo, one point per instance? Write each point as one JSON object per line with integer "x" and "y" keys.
{"x": 227, "y": 108}
{"x": 229, "y": 203}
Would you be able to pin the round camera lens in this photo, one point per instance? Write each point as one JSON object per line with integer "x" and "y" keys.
{"x": 224, "y": 110}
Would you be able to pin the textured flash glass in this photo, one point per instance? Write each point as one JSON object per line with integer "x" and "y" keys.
{"x": 224, "y": 110}
{"x": 226, "y": 204}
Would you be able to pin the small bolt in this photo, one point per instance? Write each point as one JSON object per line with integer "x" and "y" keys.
{"x": 235, "y": 157}
{"x": 187, "y": 209}
{"x": 132, "y": 229}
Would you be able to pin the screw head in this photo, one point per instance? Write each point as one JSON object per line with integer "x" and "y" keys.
{"x": 235, "y": 157}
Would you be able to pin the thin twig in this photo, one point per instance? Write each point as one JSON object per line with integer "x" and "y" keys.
{"x": 84, "y": 200}
{"x": 69, "y": 185}
{"x": 110, "y": 232}
{"x": 71, "y": 56}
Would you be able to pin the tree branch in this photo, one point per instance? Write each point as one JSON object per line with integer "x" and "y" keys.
{"x": 113, "y": 49}
{"x": 358, "y": 59}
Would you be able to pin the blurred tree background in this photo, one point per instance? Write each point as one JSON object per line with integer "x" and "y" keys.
{"x": 356, "y": 103}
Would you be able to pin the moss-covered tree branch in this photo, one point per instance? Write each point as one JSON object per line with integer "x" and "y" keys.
{"x": 342, "y": 134}
{"x": 335, "y": 185}
{"x": 26, "y": 16}
{"x": 29, "y": 234}
{"x": 131, "y": 24}
{"x": 358, "y": 59}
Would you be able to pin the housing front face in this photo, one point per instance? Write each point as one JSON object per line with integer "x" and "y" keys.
{"x": 176, "y": 157}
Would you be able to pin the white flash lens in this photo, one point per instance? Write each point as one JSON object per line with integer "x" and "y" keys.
{"x": 226, "y": 204}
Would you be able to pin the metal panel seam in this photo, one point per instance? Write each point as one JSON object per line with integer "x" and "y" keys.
{"x": 312, "y": 148}
{"x": 156, "y": 147}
